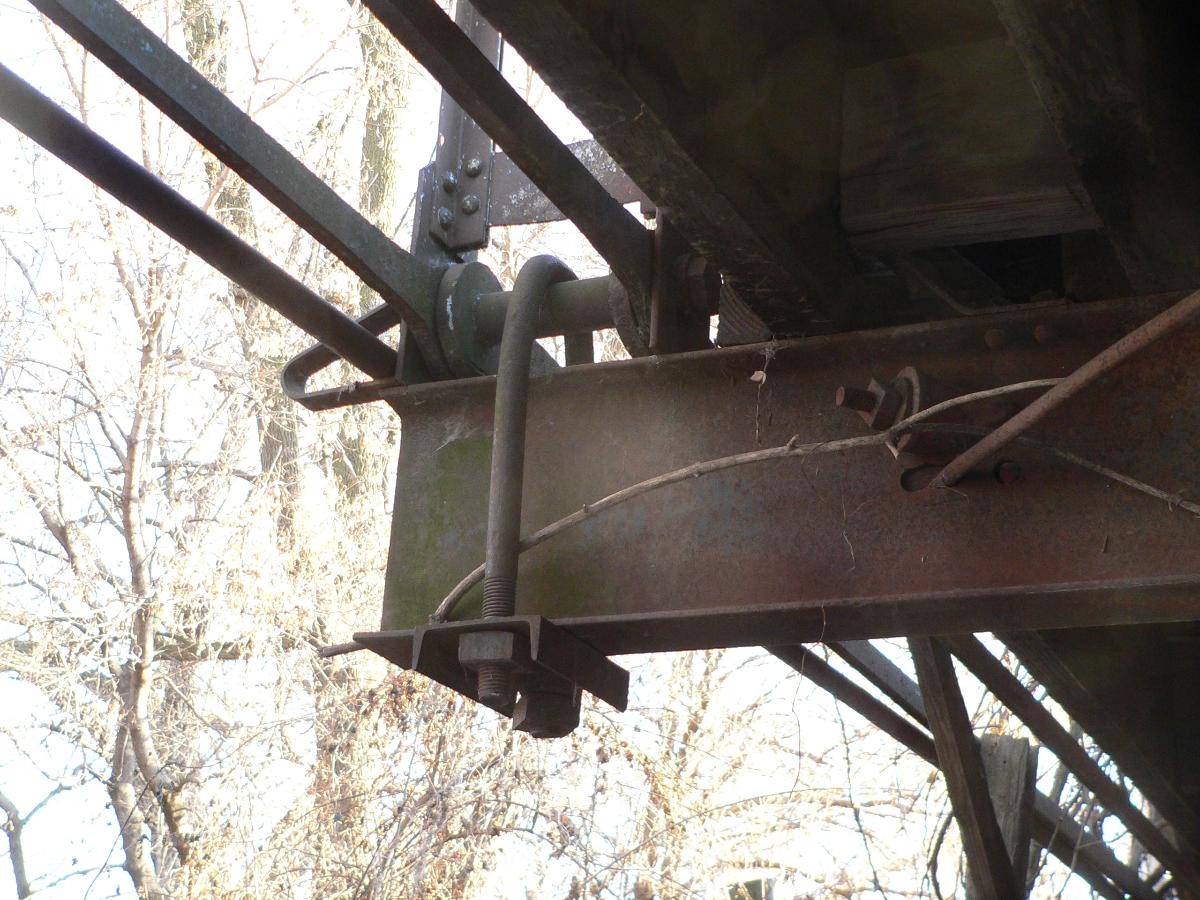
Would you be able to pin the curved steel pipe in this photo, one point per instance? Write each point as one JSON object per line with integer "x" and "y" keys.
{"x": 508, "y": 456}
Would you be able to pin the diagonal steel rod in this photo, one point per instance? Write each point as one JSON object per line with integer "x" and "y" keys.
{"x": 481, "y": 90}
{"x": 85, "y": 151}
{"x": 1137, "y": 340}
{"x": 158, "y": 73}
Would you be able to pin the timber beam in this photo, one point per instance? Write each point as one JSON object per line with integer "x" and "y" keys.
{"x": 1039, "y": 654}
{"x": 991, "y": 869}
{"x": 780, "y": 242}
{"x": 1052, "y": 827}
{"x": 1118, "y": 81}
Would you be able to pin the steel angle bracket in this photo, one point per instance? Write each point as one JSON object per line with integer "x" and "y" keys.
{"x": 549, "y": 661}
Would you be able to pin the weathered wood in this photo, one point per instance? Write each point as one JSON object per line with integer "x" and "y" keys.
{"x": 1052, "y": 827}
{"x": 1093, "y": 711}
{"x": 1119, "y": 82}
{"x": 884, "y": 674}
{"x": 995, "y": 676}
{"x": 729, "y": 118}
{"x": 1010, "y": 766}
{"x": 959, "y": 757}
{"x": 952, "y": 147}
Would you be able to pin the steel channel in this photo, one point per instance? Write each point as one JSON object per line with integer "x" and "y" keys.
{"x": 85, "y": 151}
{"x": 508, "y": 457}
{"x": 481, "y": 90}
{"x": 1164, "y": 323}
{"x": 158, "y": 73}
{"x": 516, "y": 200}
{"x": 833, "y": 538}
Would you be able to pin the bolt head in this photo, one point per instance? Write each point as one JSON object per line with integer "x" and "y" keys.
{"x": 995, "y": 338}
{"x": 1045, "y": 334}
{"x": 1007, "y": 471}
{"x": 473, "y": 167}
{"x": 445, "y": 217}
{"x": 470, "y": 204}
{"x": 449, "y": 182}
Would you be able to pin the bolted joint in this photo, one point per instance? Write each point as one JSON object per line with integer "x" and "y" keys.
{"x": 548, "y": 713}
{"x": 495, "y": 657}
{"x": 880, "y": 406}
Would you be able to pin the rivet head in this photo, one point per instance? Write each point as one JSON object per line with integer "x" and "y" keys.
{"x": 1045, "y": 334}
{"x": 1007, "y": 471}
{"x": 445, "y": 217}
{"x": 470, "y": 204}
{"x": 473, "y": 167}
{"x": 449, "y": 182}
{"x": 995, "y": 338}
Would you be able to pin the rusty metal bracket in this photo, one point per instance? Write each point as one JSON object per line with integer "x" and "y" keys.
{"x": 545, "y": 658}
{"x": 464, "y": 157}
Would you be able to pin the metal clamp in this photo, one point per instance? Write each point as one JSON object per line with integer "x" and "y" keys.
{"x": 548, "y": 664}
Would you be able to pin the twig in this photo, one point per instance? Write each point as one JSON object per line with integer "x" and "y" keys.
{"x": 790, "y": 449}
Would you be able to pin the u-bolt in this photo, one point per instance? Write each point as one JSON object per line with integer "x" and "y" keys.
{"x": 496, "y": 683}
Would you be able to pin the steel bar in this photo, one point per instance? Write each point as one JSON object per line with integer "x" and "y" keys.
{"x": 157, "y": 72}
{"x": 508, "y": 457}
{"x": 85, "y": 151}
{"x": 1009, "y": 691}
{"x": 467, "y": 76}
{"x": 1137, "y": 340}
{"x": 1052, "y": 828}
{"x": 569, "y": 307}
{"x": 991, "y": 868}
{"x": 517, "y": 201}
{"x": 463, "y": 156}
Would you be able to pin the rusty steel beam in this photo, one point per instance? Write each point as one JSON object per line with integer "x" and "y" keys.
{"x": 825, "y": 545}
{"x": 1170, "y": 320}
{"x": 158, "y": 73}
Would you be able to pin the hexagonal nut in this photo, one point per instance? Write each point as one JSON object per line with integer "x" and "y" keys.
{"x": 547, "y": 714}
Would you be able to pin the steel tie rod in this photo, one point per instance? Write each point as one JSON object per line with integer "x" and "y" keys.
{"x": 1137, "y": 340}
{"x": 508, "y": 457}
{"x": 78, "y": 146}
